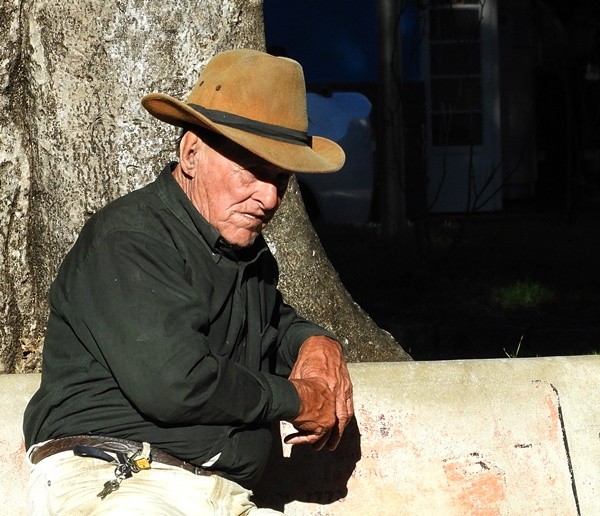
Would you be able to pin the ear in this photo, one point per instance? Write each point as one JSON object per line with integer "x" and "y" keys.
{"x": 188, "y": 153}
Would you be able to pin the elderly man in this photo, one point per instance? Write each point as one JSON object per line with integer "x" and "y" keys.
{"x": 169, "y": 352}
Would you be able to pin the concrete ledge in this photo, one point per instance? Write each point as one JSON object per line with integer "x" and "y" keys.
{"x": 508, "y": 436}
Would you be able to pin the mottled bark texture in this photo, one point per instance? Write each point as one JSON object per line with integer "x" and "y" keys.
{"x": 73, "y": 136}
{"x": 310, "y": 283}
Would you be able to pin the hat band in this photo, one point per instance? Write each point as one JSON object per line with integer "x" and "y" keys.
{"x": 275, "y": 132}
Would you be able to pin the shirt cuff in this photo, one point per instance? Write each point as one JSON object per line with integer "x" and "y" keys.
{"x": 302, "y": 332}
{"x": 285, "y": 400}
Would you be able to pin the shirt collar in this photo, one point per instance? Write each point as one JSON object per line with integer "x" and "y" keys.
{"x": 178, "y": 202}
{"x": 175, "y": 199}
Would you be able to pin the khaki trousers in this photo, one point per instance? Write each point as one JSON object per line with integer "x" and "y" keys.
{"x": 64, "y": 484}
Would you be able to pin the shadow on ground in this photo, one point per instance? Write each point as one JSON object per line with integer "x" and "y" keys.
{"x": 319, "y": 477}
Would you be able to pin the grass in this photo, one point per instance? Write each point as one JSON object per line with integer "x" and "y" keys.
{"x": 526, "y": 283}
{"x": 521, "y": 294}
{"x": 516, "y": 353}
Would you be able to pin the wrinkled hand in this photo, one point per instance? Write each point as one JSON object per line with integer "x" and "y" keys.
{"x": 317, "y": 412}
{"x": 321, "y": 378}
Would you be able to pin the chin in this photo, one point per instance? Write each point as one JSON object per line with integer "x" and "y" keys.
{"x": 241, "y": 243}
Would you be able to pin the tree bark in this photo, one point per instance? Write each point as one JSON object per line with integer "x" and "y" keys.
{"x": 73, "y": 136}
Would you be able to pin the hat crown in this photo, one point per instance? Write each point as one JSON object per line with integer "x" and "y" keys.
{"x": 257, "y": 101}
{"x": 254, "y": 85}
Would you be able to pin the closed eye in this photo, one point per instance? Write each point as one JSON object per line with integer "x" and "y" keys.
{"x": 273, "y": 176}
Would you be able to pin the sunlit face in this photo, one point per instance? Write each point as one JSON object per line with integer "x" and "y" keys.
{"x": 235, "y": 191}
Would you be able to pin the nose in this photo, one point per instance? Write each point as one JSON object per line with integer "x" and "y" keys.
{"x": 267, "y": 195}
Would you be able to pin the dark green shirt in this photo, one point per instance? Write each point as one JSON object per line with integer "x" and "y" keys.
{"x": 160, "y": 332}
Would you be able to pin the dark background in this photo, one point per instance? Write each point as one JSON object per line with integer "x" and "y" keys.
{"x": 523, "y": 281}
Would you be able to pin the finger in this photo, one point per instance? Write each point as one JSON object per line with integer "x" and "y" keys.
{"x": 350, "y": 406}
{"x": 301, "y": 438}
{"x": 344, "y": 412}
{"x": 337, "y": 432}
{"x": 334, "y": 439}
{"x": 322, "y": 442}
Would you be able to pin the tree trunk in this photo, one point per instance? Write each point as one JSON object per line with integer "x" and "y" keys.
{"x": 73, "y": 136}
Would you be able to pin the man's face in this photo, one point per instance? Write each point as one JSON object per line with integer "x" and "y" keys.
{"x": 235, "y": 191}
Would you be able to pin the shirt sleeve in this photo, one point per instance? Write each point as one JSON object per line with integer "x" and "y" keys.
{"x": 130, "y": 305}
{"x": 293, "y": 331}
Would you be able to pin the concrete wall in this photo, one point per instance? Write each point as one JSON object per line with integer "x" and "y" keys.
{"x": 493, "y": 437}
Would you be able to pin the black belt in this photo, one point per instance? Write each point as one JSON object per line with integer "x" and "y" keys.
{"x": 114, "y": 445}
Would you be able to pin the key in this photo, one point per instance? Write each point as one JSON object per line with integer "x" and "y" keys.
{"x": 109, "y": 487}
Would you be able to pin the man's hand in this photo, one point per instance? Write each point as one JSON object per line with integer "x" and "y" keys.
{"x": 323, "y": 383}
{"x": 317, "y": 412}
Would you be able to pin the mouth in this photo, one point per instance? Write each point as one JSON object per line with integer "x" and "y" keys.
{"x": 256, "y": 221}
{"x": 262, "y": 217}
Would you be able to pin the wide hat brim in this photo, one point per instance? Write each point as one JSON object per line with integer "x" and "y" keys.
{"x": 320, "y": 156}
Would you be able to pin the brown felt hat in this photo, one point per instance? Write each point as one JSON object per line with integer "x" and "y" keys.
{"x": 257, "y": 101}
